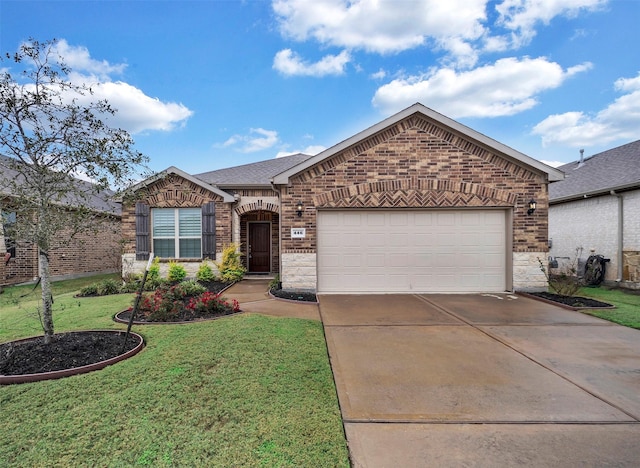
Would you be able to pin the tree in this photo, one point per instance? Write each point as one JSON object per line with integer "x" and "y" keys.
{"x": 51, "y": 133}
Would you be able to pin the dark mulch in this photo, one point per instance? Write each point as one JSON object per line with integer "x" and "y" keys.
{"x": 294, "y": 295}
{"x": 183, "y": 316}
{"x": 66, "y": 351}
{"x": 572, "y": 301}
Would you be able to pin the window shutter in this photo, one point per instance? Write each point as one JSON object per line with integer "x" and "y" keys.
{"x": 209, "y": 230}
{"x": 143, "y": 245}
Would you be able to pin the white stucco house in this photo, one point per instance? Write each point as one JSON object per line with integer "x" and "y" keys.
{"x": 597, "y": 208}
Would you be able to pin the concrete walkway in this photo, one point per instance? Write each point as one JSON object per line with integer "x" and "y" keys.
{"x": 254, "y": 297}
{"x": 482, "y": 380}
{"x": 474, "y": 380}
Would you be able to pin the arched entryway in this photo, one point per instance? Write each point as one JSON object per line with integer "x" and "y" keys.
{"x": 259, "y": 241}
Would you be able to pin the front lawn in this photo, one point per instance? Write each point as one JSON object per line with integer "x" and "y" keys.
{"x": 248, "y": 390}
{"x": 627, "y": 311}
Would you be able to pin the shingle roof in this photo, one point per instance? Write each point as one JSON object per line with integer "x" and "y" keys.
{"x": 613, "y": 169}
{"x": 102, "y": 201}
{"x": 258, "y": 173}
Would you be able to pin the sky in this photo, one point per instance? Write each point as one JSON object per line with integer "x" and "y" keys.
{"x": 208, "y": 84}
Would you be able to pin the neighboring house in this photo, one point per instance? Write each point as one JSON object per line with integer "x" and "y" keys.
{"x": 416, "y": 203}
{"x": 86, "y": 253}
{"x": 597, "y": 208}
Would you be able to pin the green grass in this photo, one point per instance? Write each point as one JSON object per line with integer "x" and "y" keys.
{"x": 627, "y": 311}
{"x": 248, "y": 390}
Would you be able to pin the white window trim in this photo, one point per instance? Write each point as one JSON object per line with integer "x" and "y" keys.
{"x": 176, "y": 234}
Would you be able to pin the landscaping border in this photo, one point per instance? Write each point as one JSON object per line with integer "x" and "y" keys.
{"x": 26, "y": 378}
{"x": 561, "y": 305}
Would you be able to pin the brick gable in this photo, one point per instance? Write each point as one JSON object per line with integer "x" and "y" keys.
{"x": 417, "y": 163}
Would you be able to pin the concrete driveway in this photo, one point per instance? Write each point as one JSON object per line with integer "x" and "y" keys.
{"x": 482, "y": 380}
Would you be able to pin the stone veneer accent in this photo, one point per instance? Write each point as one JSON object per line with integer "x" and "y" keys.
{"x": 299, "y": 270}
{"x": 130, "y": 265}
{"x": 527, "y": 275}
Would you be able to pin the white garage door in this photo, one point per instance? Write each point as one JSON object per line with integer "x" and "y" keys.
{"x": 383, "y": 251}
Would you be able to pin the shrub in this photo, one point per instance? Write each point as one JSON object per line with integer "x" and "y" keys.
{"x": 164, "y": 305}
{"x": 205, "y": 272}
{"x": 153, "y": 274}
{"x": 108, "y": 286}
{"x": 176, "y": 272}
{"x": 189, "y": 288}
{"x": 89, "y": 290}
{"x": 231, "y": 268}
{"x": 209, "y": 302}
{"x": 565, "y": 282}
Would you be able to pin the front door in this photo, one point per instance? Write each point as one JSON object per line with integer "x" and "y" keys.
{"x": 259, "y": 247}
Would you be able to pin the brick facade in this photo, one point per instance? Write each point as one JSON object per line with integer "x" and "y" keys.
{"x": 172, "y": 191}
{"x": 417, "y": 164}
{"x": 87, "y": 253}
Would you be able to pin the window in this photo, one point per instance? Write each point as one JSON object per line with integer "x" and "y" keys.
{"x": 177, "y": 232}
{"x": 8, "y": 220}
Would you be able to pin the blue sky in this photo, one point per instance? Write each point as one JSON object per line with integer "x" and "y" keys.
{"x": 207, "y": 84}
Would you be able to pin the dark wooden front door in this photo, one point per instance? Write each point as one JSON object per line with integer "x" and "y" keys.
{"x": 259, "y": 247}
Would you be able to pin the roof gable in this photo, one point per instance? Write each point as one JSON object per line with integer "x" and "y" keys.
{"x": 614, "y": 169}
{"x": 226, "y": 197}
{"x": 455, "y": 128}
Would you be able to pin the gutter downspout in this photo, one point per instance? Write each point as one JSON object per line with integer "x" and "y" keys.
{"x": 620, "y": 233}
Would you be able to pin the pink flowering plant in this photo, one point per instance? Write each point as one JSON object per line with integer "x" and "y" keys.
{"x": 183, "y": 301}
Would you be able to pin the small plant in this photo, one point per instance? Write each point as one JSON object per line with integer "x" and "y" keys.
{"x": 212, "y": 303}
{"x": 231, "y": 268}
{"x": 189, "y": 288}
{"x": 565, "y": 282}
{"x": 90, "y": 290}
{"x": 176, "y": 272}
{"x": 205, "y": 272}
{"x": 275, "y": 283}
{"x": 108, "y": 286}
{"x": 153, "y": 275}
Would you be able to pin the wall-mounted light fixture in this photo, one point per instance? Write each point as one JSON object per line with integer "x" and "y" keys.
{"x": 299, "y": 209}
{"x": 532, "y": 207}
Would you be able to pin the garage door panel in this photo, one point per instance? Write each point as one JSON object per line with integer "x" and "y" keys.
{"x": 411, "y": 251}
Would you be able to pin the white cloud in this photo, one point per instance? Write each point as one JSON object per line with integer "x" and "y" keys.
{"x": 136, "y": 112}
{"x": 379, "y": 75}
{"x": 620, "y": 120}
{"x": 258, "y": 139}
{"x": 507, "y": 87}
{"x": 382, "y": 26}
{"x": 461, "y": 28}
{"x": 522, "y": 16}
{"x": 313, "y": 150}
{"x": 289, "y": 63}
{"x": 80, "y": 61}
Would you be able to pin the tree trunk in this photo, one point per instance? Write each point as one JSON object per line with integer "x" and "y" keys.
{"x": 45, "y": 284}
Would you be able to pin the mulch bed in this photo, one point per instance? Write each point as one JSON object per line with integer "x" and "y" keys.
{"x": 66, "y": 351}
{"x": 572, "y": 301}
{"x": 184, "y": 316}
{"x": 294, "y": 295}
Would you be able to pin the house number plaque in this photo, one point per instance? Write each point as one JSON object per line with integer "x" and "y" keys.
{"x": 298, "y": 233}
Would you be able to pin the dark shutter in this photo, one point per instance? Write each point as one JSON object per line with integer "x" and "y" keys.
{"x": 209, "y": 230}
{"x": 143, "y": 243}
